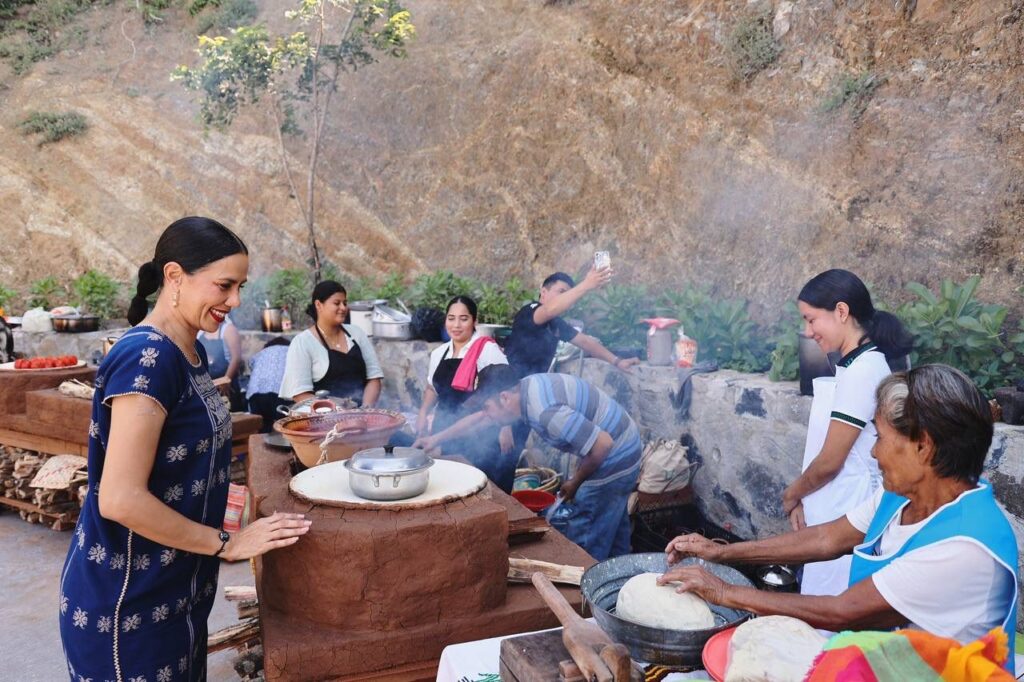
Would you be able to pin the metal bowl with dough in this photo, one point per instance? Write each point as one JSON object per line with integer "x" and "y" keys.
{"x": 601, "y": 584}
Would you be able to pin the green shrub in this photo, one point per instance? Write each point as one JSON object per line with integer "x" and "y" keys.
{"x": 954, "y": 328}
{"x": 98, "y": 294}
{"x": 228, "y": 14}
{"x": 53, "y": 127}
{"x": 290, "y": 288}
{"x": 724, "y": 331}
{"x": 785, "y": 356}
{"x": 751, "y": 45}
{"x": 37, "y": 31}
{"x": 498, "y": 304}
{"x": 434, "y": 290}
{"x": 615, "y": 315}
{"x": 46, "y": 293}
{"x": 7, "y": 299}
{"x": 392, "y": 289}
{"x": 856, "y": 91}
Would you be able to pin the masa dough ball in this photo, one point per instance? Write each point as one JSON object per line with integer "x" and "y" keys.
{"x": 642, "y": 600}
{"x": 772, "y": 649}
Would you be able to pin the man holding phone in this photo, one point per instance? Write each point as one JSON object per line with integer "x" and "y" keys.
{"x": 538, "y": 327}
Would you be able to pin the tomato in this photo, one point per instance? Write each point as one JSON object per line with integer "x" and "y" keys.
{"x": 19, "y": 363}
{"x": 35, "y": 363}
{"x": 74, "y": 360}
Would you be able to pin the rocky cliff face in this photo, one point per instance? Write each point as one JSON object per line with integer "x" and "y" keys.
{"x": 522, "y": 135}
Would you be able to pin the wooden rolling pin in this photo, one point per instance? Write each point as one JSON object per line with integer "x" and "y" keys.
{"x": 596, "y": 655}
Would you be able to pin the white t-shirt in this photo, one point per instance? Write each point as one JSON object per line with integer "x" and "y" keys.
{"x": 490, "y": 355}
{"x": 308, "y": 361}
{"x": 952, "y": 588}
{"x": 857, "y": 379}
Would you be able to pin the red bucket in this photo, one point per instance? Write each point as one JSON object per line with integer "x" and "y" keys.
{"x": 534, "y": 500}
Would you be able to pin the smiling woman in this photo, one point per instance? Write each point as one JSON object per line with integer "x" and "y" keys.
{"x": 141, "y": 573}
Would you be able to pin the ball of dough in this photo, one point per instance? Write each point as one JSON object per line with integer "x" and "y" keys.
{"x": 642, "y": 600}
{"x": 772, "y": 649}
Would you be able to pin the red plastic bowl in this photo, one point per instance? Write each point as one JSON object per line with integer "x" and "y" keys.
{"x": 534, "y": 500}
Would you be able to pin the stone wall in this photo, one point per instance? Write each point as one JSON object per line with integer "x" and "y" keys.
{"x": 747, "y": 432}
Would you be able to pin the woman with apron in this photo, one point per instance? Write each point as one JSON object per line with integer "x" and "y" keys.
{"x": 331, "y": 355}
{"x": 224, "y": 355}
{"x": 839, "y": 471}
{"x": 449, "y": 386}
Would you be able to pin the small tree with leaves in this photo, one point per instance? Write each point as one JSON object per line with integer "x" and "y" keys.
{"x": 296, "y": 76}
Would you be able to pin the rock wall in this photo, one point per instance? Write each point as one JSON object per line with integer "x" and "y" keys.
{"x": 520, "y": 136}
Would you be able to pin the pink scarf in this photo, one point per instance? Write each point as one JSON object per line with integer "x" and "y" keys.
{"x": 465, "y": 375}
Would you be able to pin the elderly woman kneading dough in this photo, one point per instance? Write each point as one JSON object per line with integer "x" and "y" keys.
{"x": 931, "y": 550}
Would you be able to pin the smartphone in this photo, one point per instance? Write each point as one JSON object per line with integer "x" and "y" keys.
{"x": 602, "y": 260}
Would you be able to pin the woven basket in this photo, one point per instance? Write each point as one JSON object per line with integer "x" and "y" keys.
{"x": 550, "y": 480}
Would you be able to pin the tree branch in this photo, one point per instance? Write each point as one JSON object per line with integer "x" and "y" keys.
{"x": 275, "y": 108}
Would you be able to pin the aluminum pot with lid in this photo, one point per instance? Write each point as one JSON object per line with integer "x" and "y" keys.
{"x": 389, "y": 473}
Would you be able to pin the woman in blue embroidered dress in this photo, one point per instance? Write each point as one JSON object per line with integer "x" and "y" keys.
{"x": 141, "y": 573}
{"x": 931, "y": 550}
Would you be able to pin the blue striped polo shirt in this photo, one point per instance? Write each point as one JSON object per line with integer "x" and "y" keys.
{"x": 569, "y": 414}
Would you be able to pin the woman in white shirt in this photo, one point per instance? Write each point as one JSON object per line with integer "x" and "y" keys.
{"x": 838, "y": 470}
{"x": 449, "y": 385}
{"x": 331, "y": 356}
{"x": 933, "y": 550}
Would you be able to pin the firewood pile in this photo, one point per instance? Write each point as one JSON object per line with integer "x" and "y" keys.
{"x": 57, "y": 507}
{"x": 244, "y": 636}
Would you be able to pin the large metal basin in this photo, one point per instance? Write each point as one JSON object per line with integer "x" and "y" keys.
{"x": 601, "y": 584}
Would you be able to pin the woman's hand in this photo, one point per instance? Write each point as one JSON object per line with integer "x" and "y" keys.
{"x": 796, "y": 517}
{"x": 505, "y": 440}
{"x": 261, "y": 536}
{"x": 695, "y": 579}
{"x": 694, "y": 545}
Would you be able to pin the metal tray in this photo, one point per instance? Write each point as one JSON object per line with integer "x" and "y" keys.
{"x": 601, "y": 584}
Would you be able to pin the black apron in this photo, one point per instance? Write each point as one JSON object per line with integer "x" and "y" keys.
{"x": 481, "y": 448}
{"x": 346, "y": 372}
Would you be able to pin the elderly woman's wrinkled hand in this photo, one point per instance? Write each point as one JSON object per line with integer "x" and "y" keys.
{"x": 694, "y": 545}
{"x": 261, "y": 536}
{"x": 695, "y": 579}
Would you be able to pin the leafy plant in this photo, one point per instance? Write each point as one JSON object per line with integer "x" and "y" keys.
{"x": 36, "y": 30}
{"x": 751, "y": 45}
{"x": 786, "y": 354}
{"x": 391, "y": 289}
{"x": 724, "y": 330}
{"x": 97, "y": 293}
{"x": 44, "y": 293}
{"x": 953, "y": 327}
{"x": 856, "y": 91}
{"x": 434, "y": 290}
{"x": 151, "y": 10}
{"x": 290, "y": 288}
{"x": 615, "y": 315}
{"x": 7, "y": 297}
{"x": 53, "y": 127}
{"x": 228, "y": 14}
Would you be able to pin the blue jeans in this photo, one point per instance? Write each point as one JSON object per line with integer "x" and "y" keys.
{"x": 598, "y": 520}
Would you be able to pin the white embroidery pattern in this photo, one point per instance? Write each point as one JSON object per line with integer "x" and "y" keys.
{"x": 94, "y": 429}
{"x": 164, "y": 674}
{"x": 141, "y": 383}
{"x": 203, "y": 445}
{"x": 222, "y": 476}
{"x": 142, "y": 562}
{"x": 153, "y": 336}
{"x": 97, "y": 553}
{"x": 198, "y": 487}
{"x": 80, "y": 618}
{"x": 183, "y": 664}
{"x": 160, "y": 613}
{"x": 84, "y": 679}
{"x": 117, "y": 562}
{"x": 177, "y": 453}
{"x": 174, "y": 493}
{"x": 63, "y": 604}
{"x": 81, "y": 537}
{"x": 168, "y": 556}
{"x": 140, "y": 678}
{"x": 104, "y": 624}
{"x": 148, "y": 358}
{"x": 180, "y": 605}
{"x": 132, "y": 622}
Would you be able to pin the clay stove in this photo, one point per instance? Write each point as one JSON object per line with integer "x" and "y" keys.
{"x": 376, "y": 591}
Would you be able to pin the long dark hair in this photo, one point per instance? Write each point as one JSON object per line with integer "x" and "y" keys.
{"x": 832, "y": 287}
{"x": 321, "y": 292}
{"x": 466, "y": 301}
{"x": 193, "y": 243}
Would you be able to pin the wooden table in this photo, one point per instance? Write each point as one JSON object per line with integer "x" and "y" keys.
{"x": 14, "y": 384}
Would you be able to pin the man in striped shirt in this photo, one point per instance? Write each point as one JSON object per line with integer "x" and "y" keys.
{"x": 575, "y": 416}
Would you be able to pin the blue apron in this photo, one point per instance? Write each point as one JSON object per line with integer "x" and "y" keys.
{"x": 975, "y": 516}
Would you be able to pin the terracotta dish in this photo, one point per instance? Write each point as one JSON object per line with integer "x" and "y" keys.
{"x": 359, "y": 429}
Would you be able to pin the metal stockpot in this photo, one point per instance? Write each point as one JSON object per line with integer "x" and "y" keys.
{"x": 601, "y": 584}
{"x": 389, "y": 473}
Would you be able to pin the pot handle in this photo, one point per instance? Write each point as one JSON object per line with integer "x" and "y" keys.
{"x": 376, "y": 481}
{"x": 394, "y": 483}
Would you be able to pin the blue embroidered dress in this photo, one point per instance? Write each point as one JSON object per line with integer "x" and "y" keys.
{"x": 133, "y": 610}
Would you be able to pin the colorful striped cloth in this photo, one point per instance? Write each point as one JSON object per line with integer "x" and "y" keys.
{"x": 911, "y": 655}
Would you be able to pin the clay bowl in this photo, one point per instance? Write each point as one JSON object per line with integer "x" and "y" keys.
{"x": 360, "y": 428}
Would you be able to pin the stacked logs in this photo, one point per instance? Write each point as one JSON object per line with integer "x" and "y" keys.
{"x": 57, "y": 508}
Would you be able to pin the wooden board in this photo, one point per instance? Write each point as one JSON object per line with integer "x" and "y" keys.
{"x": 328, "y": 484}
{"x": 14, "y": 385}
{"x": 533, "y": 658}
